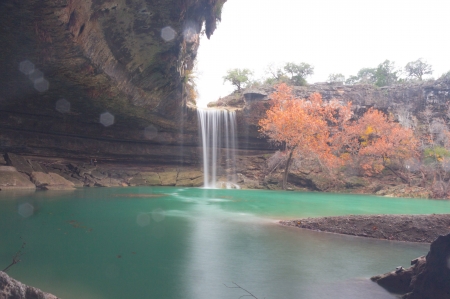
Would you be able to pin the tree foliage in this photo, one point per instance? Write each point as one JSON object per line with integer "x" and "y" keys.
{"x": 298, "y": 72}
{"x": 336, "y": 78}
{"x": 291, "y": 73}
{"x": 378, "y": 141}
{"x": 238, "y": 77}
{"x": 417, "y": 69}
{"x": 302, "y": 126}
{"x": 384, "y": 74}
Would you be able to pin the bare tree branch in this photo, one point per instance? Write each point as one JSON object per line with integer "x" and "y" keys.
{"x": 16, "y": 257}
{"x": 239, "y": 287}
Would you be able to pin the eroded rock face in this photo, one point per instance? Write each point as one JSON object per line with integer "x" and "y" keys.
{"x": 428, "y": 277}
{"x": 11, "y": 179}
{"x": 92, "y": 76}
{"x": 51, "y": 181}
{"x": 13, "y": 289}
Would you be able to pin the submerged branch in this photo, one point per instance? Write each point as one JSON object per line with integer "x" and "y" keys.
{"x": 239, "y": 287}
{"x": 16, "y": 257}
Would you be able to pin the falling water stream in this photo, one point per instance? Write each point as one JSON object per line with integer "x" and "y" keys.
{"x": 219, "y": 141}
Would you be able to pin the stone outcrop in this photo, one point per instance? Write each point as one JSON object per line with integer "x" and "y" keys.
{"x": 51, "y": 181}
{"x": 11, "y": 179}
{"x": 13, "y": 289}
{"x": 65, "y": 175}
{"x": 428, "y": 277}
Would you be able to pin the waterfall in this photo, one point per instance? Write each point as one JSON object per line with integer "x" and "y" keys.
{"x": 219, "y": 140}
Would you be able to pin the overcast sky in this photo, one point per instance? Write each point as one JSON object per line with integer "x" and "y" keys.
{"x": 333, "y": 36}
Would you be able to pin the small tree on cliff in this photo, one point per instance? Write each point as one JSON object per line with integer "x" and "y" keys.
{"x": 303, "y": 126}
{"x": 237, "y": 77}
{"x": 417, "y": 69}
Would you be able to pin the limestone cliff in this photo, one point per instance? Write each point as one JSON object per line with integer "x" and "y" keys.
{"x": 99, "y": 77}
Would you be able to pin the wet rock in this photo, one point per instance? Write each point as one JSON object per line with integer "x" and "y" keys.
{"x": 20, "y": 163}
{"x": 433, "y": 281}
{"x": 399, "y": 281}
{"x": 13, "y": 289}
{"x": 198, "y": 182}
{"x": 51, "y": 181}
{"x": 428, "y": 277}
{"x": 11, "y": 179}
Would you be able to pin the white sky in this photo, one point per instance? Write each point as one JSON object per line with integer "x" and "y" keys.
{"x": 334, "y": 36}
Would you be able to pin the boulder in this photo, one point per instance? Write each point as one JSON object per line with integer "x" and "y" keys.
{"x": 399, "y": 280}
{"x": 11, "y": 179}
{"x": 428, "y": 277}
{"x": 51, "y": 181}
{"x": 13, "y": 289}
{"x": 168, "y": 178}
{"x": 20, "y": 163}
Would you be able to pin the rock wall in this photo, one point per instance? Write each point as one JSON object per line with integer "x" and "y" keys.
{"x": 99, "y": 76}
{"x": 25, "y": 173}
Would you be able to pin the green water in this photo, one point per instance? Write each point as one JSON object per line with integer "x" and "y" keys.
{"x": 187, "y": 243}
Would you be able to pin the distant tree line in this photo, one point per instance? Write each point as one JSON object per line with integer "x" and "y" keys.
{"x": 385, "y": 74}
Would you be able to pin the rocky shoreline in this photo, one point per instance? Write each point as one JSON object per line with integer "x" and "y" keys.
{"x": 26, "y": 173}
{"x": 409, "y": 228}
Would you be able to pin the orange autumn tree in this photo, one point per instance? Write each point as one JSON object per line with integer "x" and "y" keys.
{"x": 303, "y": 126}
{"x": 378, "y": 141}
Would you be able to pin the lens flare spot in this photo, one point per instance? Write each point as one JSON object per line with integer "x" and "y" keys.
{"x": 41, "y": 85}
{"x": 168, "y": 34}
{"x": 106, "y": 119}
{"x": 36, "y": 75}
{"x": 26, "y": 67}
{"x": 63, "y": 106}
{"x": 158, "y": 215}
{"x": 26, "y": 210}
